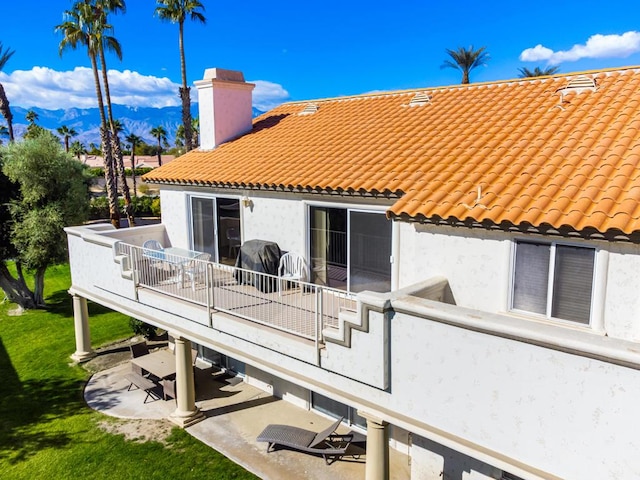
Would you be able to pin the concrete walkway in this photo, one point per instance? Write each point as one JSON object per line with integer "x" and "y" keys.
{"x": 235, "y": 414}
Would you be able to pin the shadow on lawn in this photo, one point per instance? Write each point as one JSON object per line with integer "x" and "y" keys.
{"x": 60, "y": 303}
{"x": 23, "y": 404}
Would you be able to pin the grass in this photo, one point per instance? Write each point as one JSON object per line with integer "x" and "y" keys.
{"x": 46, "y": 429}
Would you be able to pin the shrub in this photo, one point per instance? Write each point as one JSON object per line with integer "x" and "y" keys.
{"x": 143, "y": 188}
{"x": 99, "y": 208}
{"x": 96, "y": 172}
{"x": 155, "y": 207}
{"x": 141, "y": 328}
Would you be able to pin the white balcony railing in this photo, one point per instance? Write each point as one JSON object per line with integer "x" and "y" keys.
{"x": 296, "y": 307}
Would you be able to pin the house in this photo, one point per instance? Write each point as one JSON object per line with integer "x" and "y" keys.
{"x": 473, "y": 264}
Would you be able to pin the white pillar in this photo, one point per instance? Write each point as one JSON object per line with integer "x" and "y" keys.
{"x": 83, "y": 335}
{"x": 186, "y": 413}
{"x": 377, "y": 466}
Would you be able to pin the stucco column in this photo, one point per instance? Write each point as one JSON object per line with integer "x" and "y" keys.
{"x": 377, "y": 466}
{"x": 186, "y": 413}
{"x": 83, "y": 335}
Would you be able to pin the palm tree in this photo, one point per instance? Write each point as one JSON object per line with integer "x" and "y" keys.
{"x": 66, "y": 134}
{"x": 31, "y": 117}
{"x": 4, "y": 132}
{"x": 134, "y": 141}
{"x": 77, "y": 149}
{"x": 537, "y": 72}
{"x": 177, "y": 11}
{"x": 79, "y": 29}
{"x": 100, "y": 12}
{"x": 465, "y": 60}
{"x": 160, "y": 134}
{"x": 5, "y": 55}
{"x": 195, "y": 132}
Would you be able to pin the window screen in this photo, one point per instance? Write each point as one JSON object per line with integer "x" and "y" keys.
{"x": 568, "y": 294}
{"x": 572, "y": 283}
{"x": 531, "y": 280}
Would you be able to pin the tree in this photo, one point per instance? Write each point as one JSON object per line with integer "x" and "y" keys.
{"x": 177, "y": 11}
{"x": 4, "y": 132}
{"x": 80, "y": 28}
{"x": 31, "y": 117}
{"x": 160, "y": 134}
{"x": 48, "y": 192}
{"x": 466, "y": 60}
{"x": 5, "y": 55}
{"x": 101, "y": 10}
{"x": 537, "y": 72}
{"x": 33, "y": 129}
{"x": 134, "y": 141}
{"x": 77, "y": 149}
{"x": 66, "y": 134}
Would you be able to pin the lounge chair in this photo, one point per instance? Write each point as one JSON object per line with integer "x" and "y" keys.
{"x": 326, "y": 443}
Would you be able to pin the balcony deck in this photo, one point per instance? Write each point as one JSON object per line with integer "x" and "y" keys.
{"x": 295, "y": 307}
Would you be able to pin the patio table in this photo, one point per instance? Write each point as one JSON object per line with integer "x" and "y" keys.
{"x": 177, "y": 256}
{"x": 161, "y": 363}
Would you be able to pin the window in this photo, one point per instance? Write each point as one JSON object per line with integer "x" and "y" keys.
{"x": 350, "y": 249}
{"x": 211, "y": 221}
{"x": 336, "y": 409}
{"x": 554, "y": 280}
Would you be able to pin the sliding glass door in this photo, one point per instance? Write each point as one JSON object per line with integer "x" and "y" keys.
{"x": 350, "y": 249}
{"x": 215, "y": 227}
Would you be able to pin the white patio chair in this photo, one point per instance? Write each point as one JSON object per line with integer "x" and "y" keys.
{"x": 292, "y": 267}
{"x": 196, "y": 268}
{"x": 150, "y": 249}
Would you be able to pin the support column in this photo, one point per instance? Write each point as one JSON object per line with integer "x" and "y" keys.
{"x": 83, "y": 335}
{"x": 186, "y": 413}
{"x": 377, "y": 466}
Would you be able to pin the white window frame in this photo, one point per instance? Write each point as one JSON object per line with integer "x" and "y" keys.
{"x": 381, "y": 209}
{"x": 595, "y": 316}
{"x": 214, "y": 197}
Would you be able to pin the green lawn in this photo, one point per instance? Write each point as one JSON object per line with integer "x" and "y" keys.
{"x": 46, "y": 429}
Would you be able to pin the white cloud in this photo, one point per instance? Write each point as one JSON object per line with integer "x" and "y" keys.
{"x": 268, "y": 95}
{"x": 597, "y": 46}
{"x": 46, "y": 88}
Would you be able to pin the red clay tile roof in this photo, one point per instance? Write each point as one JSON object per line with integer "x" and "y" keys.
{"x": 502, "y": 153}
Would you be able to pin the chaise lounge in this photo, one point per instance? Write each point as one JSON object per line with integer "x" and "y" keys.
{"x": 326, "y": 443}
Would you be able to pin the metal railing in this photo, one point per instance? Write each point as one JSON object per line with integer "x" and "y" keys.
{"x": 300, "y": 308}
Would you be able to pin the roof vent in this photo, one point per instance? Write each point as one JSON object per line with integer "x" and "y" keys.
{"x": 578, "y": 84}
{"x": 309, "y": 109}
{"x": 420, "y": 98}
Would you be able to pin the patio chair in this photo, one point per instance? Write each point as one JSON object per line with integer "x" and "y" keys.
{"x": 233, "y": 236}
{"x": 292, "y": 267}
{"x": 152, "y": 249}
{"x": 137, "y": 350}
{"x": 169, "y": 388}
{"x": 326, "y": 443}
{"x": 195, "y": 268}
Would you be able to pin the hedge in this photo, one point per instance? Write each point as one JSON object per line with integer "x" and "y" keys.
{"x": 142, "y": 207}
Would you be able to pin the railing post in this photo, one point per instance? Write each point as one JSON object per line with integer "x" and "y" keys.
{"x": 318, "y": 322}
{"x": 209, "y": 283}
{"x": 134, "y": 270}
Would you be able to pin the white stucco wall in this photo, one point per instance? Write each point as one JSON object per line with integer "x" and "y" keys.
{"x": 476, "y": 263}
{"x": 175, "y": 216}
{"x": 622, "y": 299}
{"x": 277, "y": 220}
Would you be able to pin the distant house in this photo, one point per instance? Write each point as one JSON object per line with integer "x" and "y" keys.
{"x": 142, "y": 161}
{"x": 472, "y": 268}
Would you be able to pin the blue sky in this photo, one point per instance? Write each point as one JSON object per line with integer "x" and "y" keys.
{"x": 303, "y": 50}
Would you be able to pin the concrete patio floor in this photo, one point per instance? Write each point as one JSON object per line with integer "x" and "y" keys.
{"x": 235, "y": 413}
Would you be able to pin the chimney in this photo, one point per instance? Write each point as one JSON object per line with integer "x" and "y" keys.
{"x": 224, "y": 103}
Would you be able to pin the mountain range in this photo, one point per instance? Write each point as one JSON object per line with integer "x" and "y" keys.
{"x": 86, "y": 121}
